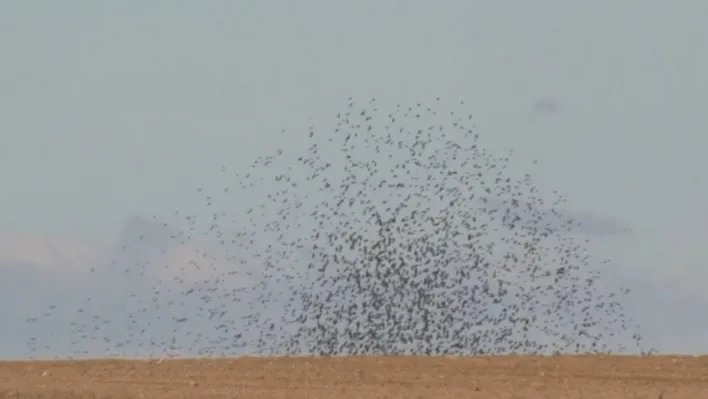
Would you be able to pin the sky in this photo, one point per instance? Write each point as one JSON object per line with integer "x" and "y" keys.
{"x": 111, "y": 109}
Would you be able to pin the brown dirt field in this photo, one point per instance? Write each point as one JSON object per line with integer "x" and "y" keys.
{"x": 362, "y": 377}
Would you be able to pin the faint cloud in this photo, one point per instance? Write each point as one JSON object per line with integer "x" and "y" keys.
{"x": 46, "y": 250}
{"x": 544, "y": 107}
{"x": 528, "y": 215}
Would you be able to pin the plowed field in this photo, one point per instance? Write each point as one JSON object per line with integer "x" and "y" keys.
{"x": 366, "y": 378}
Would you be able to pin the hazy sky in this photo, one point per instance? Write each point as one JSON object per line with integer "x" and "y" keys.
{"x": 108, "y": 109}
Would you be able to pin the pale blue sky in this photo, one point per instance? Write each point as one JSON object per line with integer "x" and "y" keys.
{"x": 108, "y": 109}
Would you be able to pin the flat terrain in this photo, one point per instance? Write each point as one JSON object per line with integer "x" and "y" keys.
{"x": 366, "y": 378}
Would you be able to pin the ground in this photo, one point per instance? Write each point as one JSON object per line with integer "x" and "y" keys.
{"x": 363, "y": 377}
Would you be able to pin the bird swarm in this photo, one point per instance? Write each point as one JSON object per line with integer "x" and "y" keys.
{"x": 376, "y": 240}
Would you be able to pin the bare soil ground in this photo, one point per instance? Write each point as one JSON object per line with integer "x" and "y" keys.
{"x": 362, "y": 377}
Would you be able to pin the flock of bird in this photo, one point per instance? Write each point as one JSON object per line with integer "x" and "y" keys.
{"x": 375, "y": 240}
